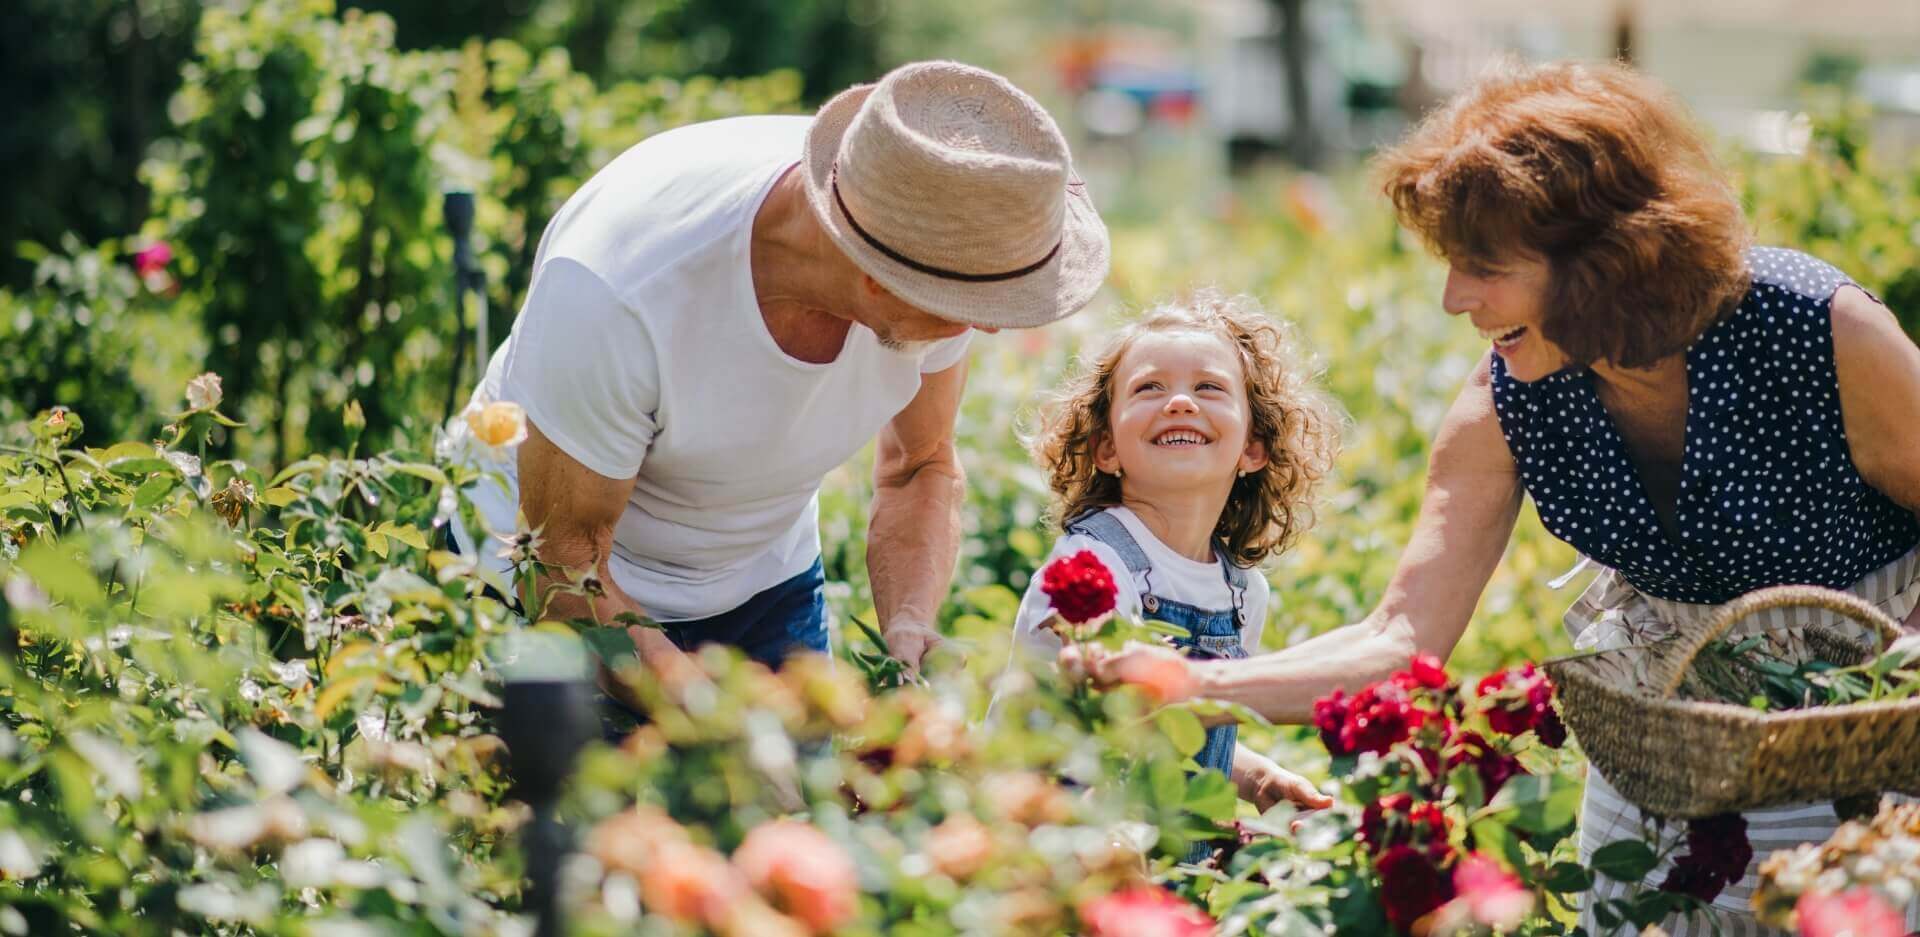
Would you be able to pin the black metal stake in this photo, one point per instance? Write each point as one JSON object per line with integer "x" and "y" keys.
{"x": 544, "y": 723}
{"x": 457, "y": 209}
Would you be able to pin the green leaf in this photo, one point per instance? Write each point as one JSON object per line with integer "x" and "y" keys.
{"x": 1498, "y": 835}
{"x": 153, "y": 491}
{"x": 141, "y": 465}
{"x": 1211, "y": 796}
{"x": 611, "y": 645}
{"x": 1568, "y": 878}
{"x": 302, "y": 467}
{"x": 1537, "y": 804}
{"x": 1240, "y": 712}
{"x": 421, "y": 471}
{"x": 1628, "y": 860}
{"x": 1183, "y": 728}
{"x": 1167, "y": 628}
{"x": 62, "y": 575}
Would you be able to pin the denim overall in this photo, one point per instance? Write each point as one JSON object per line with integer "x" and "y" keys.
{"x": 1211, "y": 634}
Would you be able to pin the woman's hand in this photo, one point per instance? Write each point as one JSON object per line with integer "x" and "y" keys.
{"x": 1163, "y": 674}
{"x": 1263, "y": 783}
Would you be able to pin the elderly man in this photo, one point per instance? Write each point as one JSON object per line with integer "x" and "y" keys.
{"x": 730, "y": 310}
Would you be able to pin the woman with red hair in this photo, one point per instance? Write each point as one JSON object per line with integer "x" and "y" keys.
{"x": 1698, "y": 417}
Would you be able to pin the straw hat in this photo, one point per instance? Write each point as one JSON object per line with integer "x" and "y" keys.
{"x": 955, "y": 190}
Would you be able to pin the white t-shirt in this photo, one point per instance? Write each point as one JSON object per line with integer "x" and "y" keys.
{"x": 641, "y": 349}
{"x": 1175, "y": 578}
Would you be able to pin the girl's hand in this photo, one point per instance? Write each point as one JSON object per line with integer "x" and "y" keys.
{"x": 1264, "y": 783}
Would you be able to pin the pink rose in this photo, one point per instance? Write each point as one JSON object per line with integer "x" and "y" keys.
{"x": 1493, "y": 896}
{"x": 1859, "y": 912}
{"x": 1144, "y": 911}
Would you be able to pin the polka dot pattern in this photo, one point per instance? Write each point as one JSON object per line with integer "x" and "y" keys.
{"x": 1768, "y": 492}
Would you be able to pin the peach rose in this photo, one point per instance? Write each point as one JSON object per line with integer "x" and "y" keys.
{"x": 626, "y": 842}
{"x": 1027, "y": 798}
{"x": 691, "y": 884}
{"x": 802, "y": 870}
{"x": 498, "y": 424}
{"x": 959, "y": 847}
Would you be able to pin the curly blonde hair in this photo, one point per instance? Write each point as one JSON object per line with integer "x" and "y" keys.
{"x": 1266, "y": 510}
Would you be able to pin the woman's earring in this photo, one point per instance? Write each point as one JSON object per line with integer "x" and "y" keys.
{"x": 1118, "y": 472}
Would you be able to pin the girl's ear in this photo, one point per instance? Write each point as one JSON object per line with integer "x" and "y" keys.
{"x": 1254, "y": 457}
{"x": 1106, "y": 456}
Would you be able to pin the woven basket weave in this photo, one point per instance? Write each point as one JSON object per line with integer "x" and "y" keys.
{"x": 1680, "y": 758}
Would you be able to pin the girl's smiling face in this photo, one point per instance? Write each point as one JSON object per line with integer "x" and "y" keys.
{"x": 1179, "y": 417}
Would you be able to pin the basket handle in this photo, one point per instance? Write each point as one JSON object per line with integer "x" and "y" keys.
{"x": 1765, "y": 600}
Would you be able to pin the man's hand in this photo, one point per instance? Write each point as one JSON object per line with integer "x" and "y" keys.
{"x": 910, "y": 642}
{"x": 913, "y": 535}
{"x": 1264, "y": 783}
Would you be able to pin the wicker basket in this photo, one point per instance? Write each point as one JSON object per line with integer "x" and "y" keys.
{"x": 1681, "y": 759}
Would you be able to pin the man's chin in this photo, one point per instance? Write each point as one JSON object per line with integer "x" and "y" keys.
{"x": 908, "y": 349}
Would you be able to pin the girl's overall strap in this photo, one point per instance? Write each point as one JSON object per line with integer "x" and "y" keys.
{"x": 1101, "y": 525}
{"x": 1236, "y": 576}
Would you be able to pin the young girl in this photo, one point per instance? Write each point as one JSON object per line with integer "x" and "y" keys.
{"x": 1185, "y": 455}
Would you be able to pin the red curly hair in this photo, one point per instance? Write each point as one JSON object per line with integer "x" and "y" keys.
{"x": 1596, "y": 170}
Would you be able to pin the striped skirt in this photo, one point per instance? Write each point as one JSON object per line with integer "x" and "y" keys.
{"x": 1610, "y": 613}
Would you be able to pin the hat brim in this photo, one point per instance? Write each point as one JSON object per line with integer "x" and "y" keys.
{"x": 1055, "y": 290}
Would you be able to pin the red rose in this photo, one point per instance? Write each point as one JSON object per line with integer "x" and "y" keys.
{"x": 1424, "y": 672}
{"x": 1718, "y": 853}
{"x": 1377, "y": 718}
{"x": 1551, "y": 731}
{"x": 1330, "y": 714}
{"x": 1494, "y": 767}
{"x": 1858, "y": 912}
{"x": 1143, "y": 911}
{"x": 1399, "y": 820}
{"x": 1520, "y": 699}
{"x": 1080, "y": 587}
{"x": 1411, "y": 886}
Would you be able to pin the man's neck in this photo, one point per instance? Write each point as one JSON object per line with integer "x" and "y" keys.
{"x": 799, "y": 277}
{"x": 1183, "y": 520}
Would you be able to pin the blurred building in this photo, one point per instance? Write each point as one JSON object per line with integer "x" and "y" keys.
{"x": 1369, "y": 65}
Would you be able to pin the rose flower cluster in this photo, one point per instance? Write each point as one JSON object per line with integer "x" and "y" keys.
{"x": 1420, "y": 712}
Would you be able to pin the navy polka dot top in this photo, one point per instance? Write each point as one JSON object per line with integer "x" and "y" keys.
{"x": 1768, "y": 491}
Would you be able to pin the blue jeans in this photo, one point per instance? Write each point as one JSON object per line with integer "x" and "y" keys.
{"x": 785, "y": 619}
{"x": 778, "y": 622}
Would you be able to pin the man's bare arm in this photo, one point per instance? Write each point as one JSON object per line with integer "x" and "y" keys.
{"x": 913, "y": 535}
{"x": 575, "y": 508}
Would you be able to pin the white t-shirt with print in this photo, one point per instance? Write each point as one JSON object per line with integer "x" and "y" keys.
{"x": 1175, "y": 578}
{"x": 641, "y": 353}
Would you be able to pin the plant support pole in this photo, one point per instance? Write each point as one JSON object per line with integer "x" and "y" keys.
{"x": 457, "y": 209}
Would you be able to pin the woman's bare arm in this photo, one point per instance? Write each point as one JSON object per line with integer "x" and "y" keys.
{"x": 1878, "y": 368}
{"x": 1472, "y": 499}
